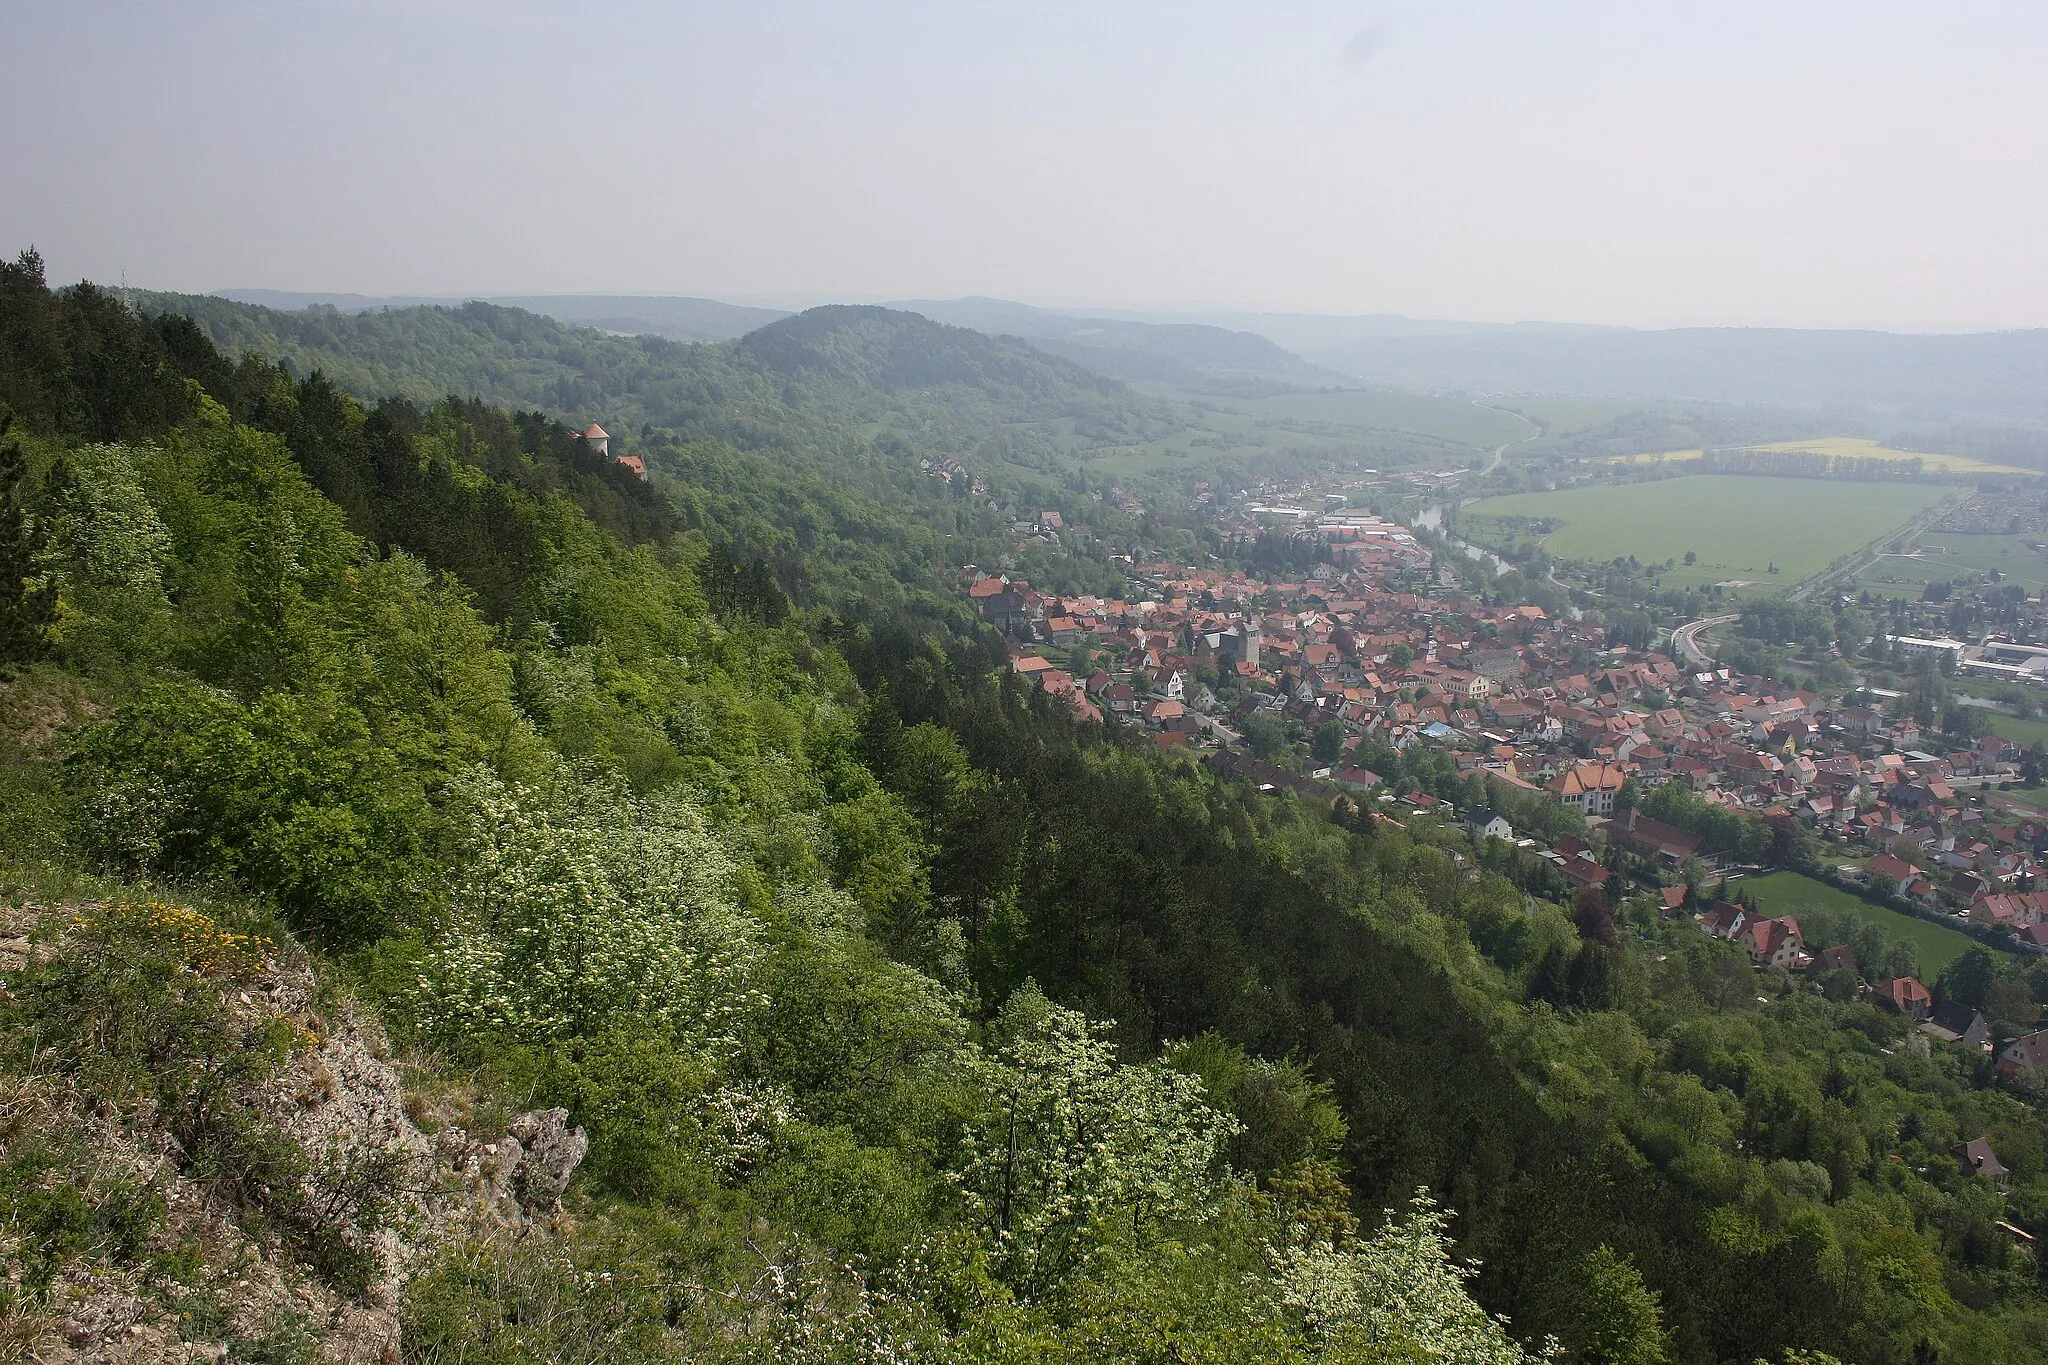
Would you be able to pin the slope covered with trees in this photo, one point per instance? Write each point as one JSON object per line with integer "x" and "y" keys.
{"x": 907, "y": 1019}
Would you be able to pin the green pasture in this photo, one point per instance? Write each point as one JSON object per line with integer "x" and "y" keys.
{"x": 1940, "y": 556}
{"x": 1738, "y": 526}
{"x": 1786, "y": 893}
{"x": 2021, "y": 730}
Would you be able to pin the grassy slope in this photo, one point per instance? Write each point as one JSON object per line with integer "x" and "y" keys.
{"x": 1737, "y": 525}
{"x": 1786, "y": 893}
{"x": 1566, "y": 416}
{"x": 2020, "y": 729}
{"x": 1353, "y": 429}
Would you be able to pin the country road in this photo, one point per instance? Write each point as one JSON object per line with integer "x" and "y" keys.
{"x": 1500, "y": 451}
{"x": 1685, "y": 640}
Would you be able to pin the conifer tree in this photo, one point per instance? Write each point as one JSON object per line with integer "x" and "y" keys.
{"x": 27, "y": 605}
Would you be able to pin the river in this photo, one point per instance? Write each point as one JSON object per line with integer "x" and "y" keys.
{"x": 1432, "y": 519}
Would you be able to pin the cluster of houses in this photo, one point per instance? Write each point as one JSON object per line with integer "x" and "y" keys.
{"x": 1775, "y": 941}
{"x": 1535, "y": 701}
{"x": 1374, "y": 646}
{"x": 1377, "y": 642}
{"x": 948, "y": 469}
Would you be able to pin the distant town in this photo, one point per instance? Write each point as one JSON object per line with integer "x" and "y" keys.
{"x": 1379, "y": 650}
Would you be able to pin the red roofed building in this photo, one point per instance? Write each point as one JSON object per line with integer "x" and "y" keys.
{"x": 1775, "y": 943}
{"x": 599, "y": 439}
{"x": 1905, "y": 995}
{"x": 1722, "y": 920}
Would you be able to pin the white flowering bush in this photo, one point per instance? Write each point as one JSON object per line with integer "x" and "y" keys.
{"x": 571, "y": 914}
{"x": 1399, "y": 1289}
{"x": 1076, "y": 1147}
{"x": 741, "y": 1120}
{"x": 105, "y": 531}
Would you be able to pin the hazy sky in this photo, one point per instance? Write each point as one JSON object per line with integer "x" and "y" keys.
{"x": 1642, "y": 162}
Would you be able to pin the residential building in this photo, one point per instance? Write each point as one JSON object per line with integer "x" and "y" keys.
{"x": 1905, "y": 996}
{"x": 1589, "y": 788}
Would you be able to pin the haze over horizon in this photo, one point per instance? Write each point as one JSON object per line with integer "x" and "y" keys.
{"x": 1860, "y": 166}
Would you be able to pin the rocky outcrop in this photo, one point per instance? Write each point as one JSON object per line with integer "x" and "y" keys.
{"x": 383, "y": 1174}
{"x": 550, "y": 1151}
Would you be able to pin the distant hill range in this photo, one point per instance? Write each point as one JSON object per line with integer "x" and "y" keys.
{"x": 2000, "y": 376}
{"x": 1188, "y": 353}
{"x": 675, "y": 316}
{"x": 1994, "y": 376}
{"x": 797, "y": 386}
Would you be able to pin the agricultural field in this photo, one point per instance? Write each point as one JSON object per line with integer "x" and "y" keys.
{"x": 1786, "y": 893}
{"x": 1857, "y": 448}
{"x": 1739, "y": 526}
{"x": 1848, "y": 448}
{"x": 1940, "y": 556}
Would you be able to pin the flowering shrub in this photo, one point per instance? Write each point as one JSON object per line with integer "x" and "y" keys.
{"x": 197, "y": 940}
{"x": 568, "y": 916}
{"x": 742, "y": 1119}
{"x": 1398, "y": 1290}
{"x": 104, "y": 530}
{"x": 1078, "y": 1147}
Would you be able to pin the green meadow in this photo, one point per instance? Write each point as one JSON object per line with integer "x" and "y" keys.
{"x": 1939, "y": 556}
{"x": 1787, "y": 893}
{"x": 1453, "y": 419}
{"x": 1738, "y": 526}
{"x": 2021, "y": 730}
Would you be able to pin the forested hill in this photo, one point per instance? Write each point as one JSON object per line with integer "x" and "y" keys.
{"x": 906, "y": 1018}
{"x": 892, "y": 351}
{"x": 677, "y": 317}
{"x": 844, "y": 366}
{"x": 1184, "y": 353}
